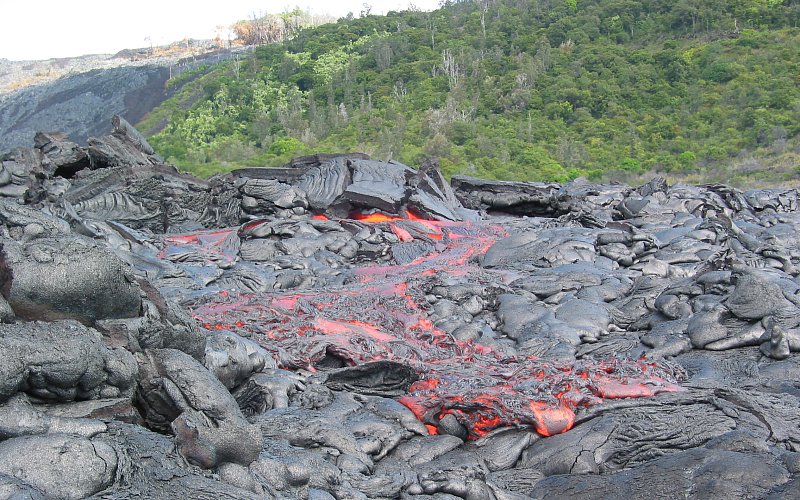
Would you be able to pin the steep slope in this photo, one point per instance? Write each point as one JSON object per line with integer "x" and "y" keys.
{"x": 80, "y": 104}
{"x": 517, "y": 89}
{"x": 80, "y": 95}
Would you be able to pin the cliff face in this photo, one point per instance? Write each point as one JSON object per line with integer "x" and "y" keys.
{"x": 80, "y": 104}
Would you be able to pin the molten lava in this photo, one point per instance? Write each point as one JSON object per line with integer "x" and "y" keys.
{"x": 381, "y": 316}
{"x": 382, "y": 217}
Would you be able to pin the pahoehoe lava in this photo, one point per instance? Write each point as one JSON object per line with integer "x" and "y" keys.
{"x": 345, "y": 327}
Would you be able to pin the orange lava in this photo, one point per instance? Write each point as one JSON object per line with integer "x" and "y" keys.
{"x": 351, "y": 328}
{"x": 376, "y": 217}
{"x": 551, "y": 420}
{"x": 401, "y": 233}
{"x": 382, "y": 314}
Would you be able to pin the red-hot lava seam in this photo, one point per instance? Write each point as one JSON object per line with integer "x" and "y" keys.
{"x": 380, "y": 317}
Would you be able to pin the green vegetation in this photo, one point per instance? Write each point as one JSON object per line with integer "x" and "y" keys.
{"x": 515, "y": 89}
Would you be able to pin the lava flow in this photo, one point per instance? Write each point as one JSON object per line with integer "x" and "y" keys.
{"x": 381, "y": 315}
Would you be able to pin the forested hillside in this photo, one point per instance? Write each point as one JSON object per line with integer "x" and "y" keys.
{"x": 514, "y": 89}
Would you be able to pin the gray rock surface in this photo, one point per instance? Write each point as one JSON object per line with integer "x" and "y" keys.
{"x": 79, "y": 95}
{"x": 348, "y": 328}
{"x": 176, "y": 391}
{"x": 79, "y": 105}
{"x": 62, "y": 361}
{"x": 60, "y": 465}
{"x": 59, "y": 278}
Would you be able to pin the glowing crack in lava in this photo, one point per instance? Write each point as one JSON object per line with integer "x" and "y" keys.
{"x": 380, "y": 316}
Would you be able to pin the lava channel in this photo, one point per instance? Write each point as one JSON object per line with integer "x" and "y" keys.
{"x": 381, "y": 315}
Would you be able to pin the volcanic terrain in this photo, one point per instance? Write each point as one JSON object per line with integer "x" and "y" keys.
{"x": 350, "y": 328}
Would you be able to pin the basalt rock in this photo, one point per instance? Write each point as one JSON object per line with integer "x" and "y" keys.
{"x": 17, "y": 168}
{"x": 60, "y": 465}
{"x": 66, "y": 157}
{"x": 19, "y": 418}
{"x": 344, "y": 327}
{"x": 149, "y": 467}
{"x": 695, "y": 473}
{"x": 160, "y": 324}
{"x": 11, "y": 487}
{"x": 124, "y": 147}
{"x": 233, "y": 359}
{"x": 377, "y": 185}
{"x": 69, "y": 279}
{"x": 62, "y": 361}
{"x": 517, "y": 198}
{"x": 325, "y": 182}
{"x": 378, "y": 378}
{"x": 177, "y": 392}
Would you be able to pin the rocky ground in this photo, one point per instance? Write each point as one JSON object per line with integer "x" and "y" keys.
{"x": 77, "y": 95}
{"x": 348, "y": 328}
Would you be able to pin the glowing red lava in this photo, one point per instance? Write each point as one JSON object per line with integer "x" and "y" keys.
{"x": 383, "y": 217}
{"x": 380, "y": 315}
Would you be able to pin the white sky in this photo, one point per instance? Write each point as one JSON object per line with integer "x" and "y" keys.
{"x": 61, "y": 28}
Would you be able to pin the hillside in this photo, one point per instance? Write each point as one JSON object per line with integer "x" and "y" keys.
{"x": 514, "y": 89}
{"x": 79, "y": 95}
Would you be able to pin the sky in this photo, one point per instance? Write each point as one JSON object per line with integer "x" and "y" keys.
{"x": 62, "y": 28}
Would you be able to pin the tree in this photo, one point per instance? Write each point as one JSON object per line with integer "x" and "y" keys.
{"x": 482, "y": 80}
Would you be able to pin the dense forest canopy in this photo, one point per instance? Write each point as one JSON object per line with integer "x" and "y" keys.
{"x": 514, "y": 89}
